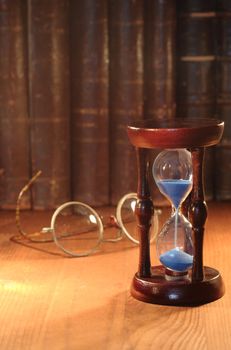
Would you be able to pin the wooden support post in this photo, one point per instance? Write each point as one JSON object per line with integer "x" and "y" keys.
{"x": 198, "y": 213}
{"x": 144, "y": 212}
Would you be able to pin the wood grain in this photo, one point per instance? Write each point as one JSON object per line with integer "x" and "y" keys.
{"x": 49, "y": 301}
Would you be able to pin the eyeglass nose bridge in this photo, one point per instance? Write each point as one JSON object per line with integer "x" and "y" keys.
{"x": 114, "y": 222}
{"x": 47, "y": 230}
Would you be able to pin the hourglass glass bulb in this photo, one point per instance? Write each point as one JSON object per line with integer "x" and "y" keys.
{"x": 174, "y": 243}
{"x": 172, "y": 171}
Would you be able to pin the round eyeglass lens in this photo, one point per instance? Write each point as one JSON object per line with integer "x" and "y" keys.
{"x": 77, "y": 228}
{"x": 125, "y": 214}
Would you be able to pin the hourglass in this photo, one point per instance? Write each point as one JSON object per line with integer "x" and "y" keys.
{"x": 181, "y": 278}
{"x": 172, "y": 171}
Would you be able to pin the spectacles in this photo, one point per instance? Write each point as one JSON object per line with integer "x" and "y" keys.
{"x": 78, "y": 229}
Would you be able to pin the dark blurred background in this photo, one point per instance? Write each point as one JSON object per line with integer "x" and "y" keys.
{"x": 74, "y": 73}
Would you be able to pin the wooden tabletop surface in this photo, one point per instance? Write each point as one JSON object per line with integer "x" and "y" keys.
{"x": 49, "y": 301}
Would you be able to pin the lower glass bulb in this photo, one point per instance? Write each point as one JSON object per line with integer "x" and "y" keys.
{"x": 174, "y": 244}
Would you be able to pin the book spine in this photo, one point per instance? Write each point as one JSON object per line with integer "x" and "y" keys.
{"x": 159, "y": 59}
{"x": 223, "y": 150}
{"x": 48, "y": 23}
{"x": 196, "y": 68}
{"x": 126, "y": 91}
{"x": 14, "y": 126}
{"x": 159, "y": 68}
{"x": 89, "y": 101}
{"x": 196, "y": 33}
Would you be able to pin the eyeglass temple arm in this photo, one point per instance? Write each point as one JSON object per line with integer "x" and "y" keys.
{"x": 23, "y": 190}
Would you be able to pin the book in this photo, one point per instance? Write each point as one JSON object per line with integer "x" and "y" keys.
{"x": 159, "y": 59}
{"x": 196, "y": 68}
{"x": 89, "y": 102}
{"x": 223, "y": 150}
{"x": 14, "y": 117}
{"x": 125, "y": 92}
{"x": 49, "y": 101}
{"x": 159, "y": 70}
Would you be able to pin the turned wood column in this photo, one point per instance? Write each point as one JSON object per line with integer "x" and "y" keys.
{"x": 144, "y": 212}
{"x": 198, "y": 213}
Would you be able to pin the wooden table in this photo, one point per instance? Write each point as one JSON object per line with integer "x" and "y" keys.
{"x": 49, "y": 301}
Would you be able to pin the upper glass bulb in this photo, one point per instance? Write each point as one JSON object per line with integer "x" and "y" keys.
{"x": 172, "y": 171}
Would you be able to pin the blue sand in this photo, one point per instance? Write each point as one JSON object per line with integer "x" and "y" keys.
{"x": 177, "y": 260}
{"x": 175, "y": 189}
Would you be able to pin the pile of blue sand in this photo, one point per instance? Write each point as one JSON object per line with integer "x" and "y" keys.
{"x": 175, "y": 190}
{"x": 176, "y": 260}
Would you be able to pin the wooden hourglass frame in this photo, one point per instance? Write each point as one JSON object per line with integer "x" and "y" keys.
{"x": 204, "y": 284}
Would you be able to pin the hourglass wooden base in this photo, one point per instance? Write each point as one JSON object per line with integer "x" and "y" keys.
{"x": 204, "y": 284}
{"x": 183, "y": 292}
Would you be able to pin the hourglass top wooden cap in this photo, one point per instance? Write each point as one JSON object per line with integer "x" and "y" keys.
{"x": 177, "y": 133}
